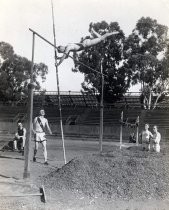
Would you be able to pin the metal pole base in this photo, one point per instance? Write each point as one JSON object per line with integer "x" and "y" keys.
{"x": 26, "y": 175}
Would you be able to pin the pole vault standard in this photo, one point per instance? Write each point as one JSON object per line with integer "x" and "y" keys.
{"x": 137, "y": 134}
{"x": 26, "y": 168}
{"x": 121, "y": 130}
{"x": 26, "y": 173}
{"x": 101, "y": 107}
{"x": 57, "y": 78}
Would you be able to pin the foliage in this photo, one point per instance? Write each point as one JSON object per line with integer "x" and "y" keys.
{"x": 110, "y": 54}
{"x": 15, "y": 74}
{"x": 146, "y": 54}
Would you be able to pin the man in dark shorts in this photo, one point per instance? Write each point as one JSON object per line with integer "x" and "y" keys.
{"x": 88, "y": 42}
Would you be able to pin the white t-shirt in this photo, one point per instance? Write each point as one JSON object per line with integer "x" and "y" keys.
{"x": 36, "y": 125}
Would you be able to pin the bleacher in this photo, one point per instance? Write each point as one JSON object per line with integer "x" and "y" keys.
{"x": 68, "y": 98}
{"x": 110, "y": 117}
{"x": 157, "y": 117}
{"x": 84, "y": 110}
{"x": 12, "y": 113}
{"x": 163, "y": 104}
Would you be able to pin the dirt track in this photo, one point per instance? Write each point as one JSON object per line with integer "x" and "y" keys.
{"x": 11, "y": 167}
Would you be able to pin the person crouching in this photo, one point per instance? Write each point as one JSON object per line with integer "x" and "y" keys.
{"x": 19, "y": 139}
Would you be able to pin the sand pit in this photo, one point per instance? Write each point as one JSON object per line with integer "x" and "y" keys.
{"x": 120, "y": 174}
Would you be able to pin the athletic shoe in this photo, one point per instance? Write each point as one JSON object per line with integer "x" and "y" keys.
{"x": 15, "y": 150}
{"x": 46, "y": 163}
{"x": 34, "y": 159}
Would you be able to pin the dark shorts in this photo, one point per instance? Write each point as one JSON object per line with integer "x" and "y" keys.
{"x": 81, "y": 46}
{"x": 18, "y": 139}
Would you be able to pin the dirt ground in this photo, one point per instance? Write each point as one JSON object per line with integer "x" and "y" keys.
{"x": 12, "y": 182}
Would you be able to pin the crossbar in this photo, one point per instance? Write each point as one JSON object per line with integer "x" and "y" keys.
{"x": 66, "y": 53}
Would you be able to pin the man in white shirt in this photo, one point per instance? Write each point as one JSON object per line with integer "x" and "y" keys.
{"x": 40, "y": 123}
{"x": 156, "y": 139}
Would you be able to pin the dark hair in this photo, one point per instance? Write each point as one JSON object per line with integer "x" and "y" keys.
{"x": 41, "y": 110}
{"x": 19, "y": 121}
{"x": 59, "y": 48}
{"x": 155, "y": 126}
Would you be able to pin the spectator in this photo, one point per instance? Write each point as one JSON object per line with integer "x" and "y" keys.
{"x": 156, "y": 139}
{"x": 20, "y": 136}
{"x": 132, "y": 138}
{"x": 145, "y": 138}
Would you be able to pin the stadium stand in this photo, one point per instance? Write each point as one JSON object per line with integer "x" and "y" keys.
{"x": 82, "y": 109}
{"x": 157, "y": 117}
{"x": 12, "y": 113}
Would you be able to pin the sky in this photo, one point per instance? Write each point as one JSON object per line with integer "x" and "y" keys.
{"x": 72, "y": 18}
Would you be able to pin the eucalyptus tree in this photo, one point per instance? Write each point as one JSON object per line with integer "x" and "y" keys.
{"x": 146, "y": 53}
{"x": 15, "y": 74}
{"x": 107, "y": 55}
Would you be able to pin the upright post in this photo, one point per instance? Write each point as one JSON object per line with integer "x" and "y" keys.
{"x": 58, "y": 89}
{"x": 26, "y": 173}
{"x": 121, "y": 130}
{"x": 137, "y": 132}
{"x": 101, "y": 109}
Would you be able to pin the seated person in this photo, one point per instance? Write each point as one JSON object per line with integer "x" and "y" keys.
{"x": 20, "y": 136}
{"x": 132, "y": 138}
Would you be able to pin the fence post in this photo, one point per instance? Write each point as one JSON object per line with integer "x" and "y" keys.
{"x": 121, "y": 130}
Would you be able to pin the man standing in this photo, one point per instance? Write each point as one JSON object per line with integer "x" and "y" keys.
{"x": 40, "y": 123}
{"x": 20, "y": 137}
{"x": 145, "y": 137}
{"x": 156, "y": 139}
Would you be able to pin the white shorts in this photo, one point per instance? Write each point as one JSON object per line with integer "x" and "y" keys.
{"x": 156, "y": 147}
{"x": 40, "y": 137}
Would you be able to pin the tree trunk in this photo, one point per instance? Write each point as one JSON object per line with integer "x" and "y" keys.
{"x": 150, "y": 99}
{"x": 156, "y": 101}
{"x": 145, "y": 102}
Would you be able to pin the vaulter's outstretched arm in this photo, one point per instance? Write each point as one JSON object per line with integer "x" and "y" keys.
{"x": 93, "y": 32}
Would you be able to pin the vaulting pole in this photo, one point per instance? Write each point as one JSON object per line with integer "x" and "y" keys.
{"x": 26, "y": 173}
{"x": 137, "y": 133}
{"x": 58, "y": 89}
{"x": 101, "y": 109}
